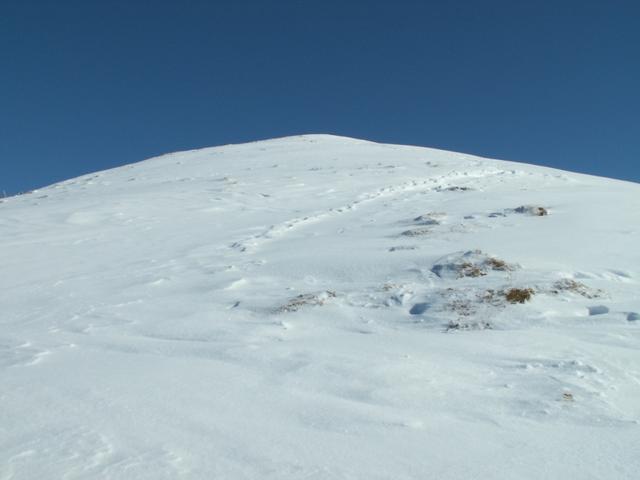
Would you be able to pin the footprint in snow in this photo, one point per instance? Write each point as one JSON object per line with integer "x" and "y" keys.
{"x": 598, "y": 310}
{"x": 419, "y": 308}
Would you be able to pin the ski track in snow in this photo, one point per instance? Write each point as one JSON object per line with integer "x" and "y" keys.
{"x": 321, "y": 307}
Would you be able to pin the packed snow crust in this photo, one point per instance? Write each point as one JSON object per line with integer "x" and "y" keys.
{"x": 318, "y": 307}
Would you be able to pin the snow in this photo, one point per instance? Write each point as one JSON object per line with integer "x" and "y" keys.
{"x": 321, "y": 307}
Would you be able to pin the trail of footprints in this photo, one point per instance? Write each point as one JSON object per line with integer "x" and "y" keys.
{"x": 440, "y": 183}
{"x": 427, "y": 225}
{"x": 276, "y": 231}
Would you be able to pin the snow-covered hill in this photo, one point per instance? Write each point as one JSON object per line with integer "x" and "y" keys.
{"x": 319, "y": 307}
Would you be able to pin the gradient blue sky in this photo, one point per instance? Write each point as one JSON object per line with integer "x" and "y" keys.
{"x": 87, "y": 85}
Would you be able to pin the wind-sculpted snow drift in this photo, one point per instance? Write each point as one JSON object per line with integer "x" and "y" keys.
{"x": 321, "y": 307}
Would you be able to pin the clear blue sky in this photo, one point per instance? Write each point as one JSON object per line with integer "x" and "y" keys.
{"x": 87, "y": 85}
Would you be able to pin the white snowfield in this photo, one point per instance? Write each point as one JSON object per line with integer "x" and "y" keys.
{"x": 318, "y": 307}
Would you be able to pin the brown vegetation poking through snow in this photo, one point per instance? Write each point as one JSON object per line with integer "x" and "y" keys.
{"x": 531, "y": 210}
{"x": 304, "y": 299}
{"x": 519, "y": 295}
{"x": 468, "y": 269}
{"x": 416, "y": 232}
{"x": 497, "y": 264}
{"x": 570, "y": 285}
{"x": 460, "y": 325}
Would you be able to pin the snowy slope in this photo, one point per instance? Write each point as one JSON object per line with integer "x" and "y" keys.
{"x": 321, "y": 307}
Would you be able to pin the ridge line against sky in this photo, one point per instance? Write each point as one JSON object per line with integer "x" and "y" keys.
{"x": 89, "y": 86}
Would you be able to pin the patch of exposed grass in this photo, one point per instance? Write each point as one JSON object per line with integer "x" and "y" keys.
{"x": 416, "y": 232}
{"x": 570, "y": 285}
{"x": 454, "y": 188}
{"x": 496, "y": 264}
{"x": 518, "y": 295}
{"x": 455, "y": 325}
{"x": 462, "y": 307}
{"x": 473, "y": 263}
{"x": 468, "y": 269}
{"x": 532, "y": 210}
{"x": 304, "y": 299}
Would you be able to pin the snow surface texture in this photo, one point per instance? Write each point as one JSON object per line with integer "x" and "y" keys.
{"x": 321, "y": 307}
